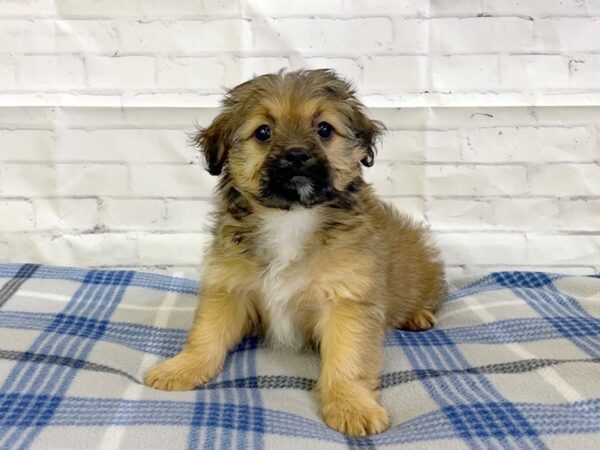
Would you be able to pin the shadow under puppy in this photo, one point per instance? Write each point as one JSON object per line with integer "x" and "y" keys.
{"x": 304, "y": 253}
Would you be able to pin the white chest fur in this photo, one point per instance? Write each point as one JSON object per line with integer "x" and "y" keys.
{"x": 284, "y": 237}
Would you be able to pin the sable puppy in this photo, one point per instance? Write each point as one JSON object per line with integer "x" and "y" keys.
{"x": 304, "y": 253}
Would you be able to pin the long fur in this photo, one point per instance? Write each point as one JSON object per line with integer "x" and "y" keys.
{"x": 329, "y": 266}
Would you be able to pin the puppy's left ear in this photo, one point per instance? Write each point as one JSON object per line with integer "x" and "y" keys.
{"x": 368, "y": 132}
{"x": 214, "y": 142}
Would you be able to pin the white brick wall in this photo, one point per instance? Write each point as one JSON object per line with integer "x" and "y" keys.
{"x": 493, "y": 110}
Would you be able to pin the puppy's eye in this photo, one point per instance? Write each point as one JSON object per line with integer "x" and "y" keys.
{"x": 263, "y": 133}
{"x": 325, "y": 130}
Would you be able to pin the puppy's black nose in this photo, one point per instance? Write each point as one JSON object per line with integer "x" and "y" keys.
{"x": 297, "y": 155}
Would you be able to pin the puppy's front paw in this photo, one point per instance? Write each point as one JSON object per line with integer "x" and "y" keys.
{"x": 356, "y": 418}
{"x": 183, "y": 372}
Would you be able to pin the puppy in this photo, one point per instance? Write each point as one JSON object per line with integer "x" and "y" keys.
{"x": 303, "y": 252}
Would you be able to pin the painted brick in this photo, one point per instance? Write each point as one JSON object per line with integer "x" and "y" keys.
{"x": 482, "y": 248}
{"x": 132, "y": 145}
{"x": 459, "y": 72}
{"x": 445, "y": 180}
{"x": 185, "y": 37}
{"x": 580, "y": 214}
{"x": 536, "y": 144}
{"x": 525, "y": 213}
{"x": 21, "y": 145}
{"x": 63, "y": 179}
{"x": 167, "y": 181}
{"x": 53, "y": 214}
{"x": 189, "y": 215}
{"x": 398, "y": 73}
{"x": 565, "y": 180}
{"x": 389, "y": 178}
{"x": 411, "y": 35}
{"x": 178, "y": 73}
{"x": 326, "y": 36}
{"x": 239, "y": 70}
{"x": 49, "y": 71}
{"x": 459, "y": 214}
{"x": 411, "y": 145}
{"x": 562, "y": 249}
{"x": 16, "y": 215}
{"x": 562, "y": 34}
{"x": 28, "y": 8}
{"x": 538, "y": 7}
{"x": 8, "y": 70}
{"x": 146, "y": 8}
{"x": 534, "y": 72}
{"x": 135, "y": 214}
{"x": 100, "y": 249}
{"x": 480, "y": 34}
{"x": 179, "y": 248}
{"x": 584, "y": 70}
{"x": 120, "y": 72}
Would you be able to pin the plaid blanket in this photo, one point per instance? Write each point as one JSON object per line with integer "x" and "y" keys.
{"x": 513, "y": 363}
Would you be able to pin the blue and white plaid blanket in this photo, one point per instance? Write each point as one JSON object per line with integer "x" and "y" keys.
{"x": 513, "y": 363}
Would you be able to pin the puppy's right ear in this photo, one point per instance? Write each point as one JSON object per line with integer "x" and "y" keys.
{"x": 214, "y": 142}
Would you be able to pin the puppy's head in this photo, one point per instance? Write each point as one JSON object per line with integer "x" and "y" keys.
{"x": 295, "y": 138}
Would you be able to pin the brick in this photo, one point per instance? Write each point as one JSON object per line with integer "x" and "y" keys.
{"x": 90, "y": 249}
{"x": 146, "y": 8}
{"x": 580, "y": 214}
{"x": 474, "y": 248}
{"x": 562, "y": 249}
{"x": 172, "y": 248}
{"x": 468, "y": 72}
{"x": 537, "y": 7}
{"x": 326, "y": 36}
{"x": 459, "y": 214}
{"x": 48, "y": 35}
{"x": 133, "y": 72}
{"x": 239, "y": 70}
{"x": 411, "y": 145}
{"x": 525, "y": 213}
{"x": 63, "y": 179}
{"x": 534, "y": 72}
{"x": 561, "y": 34}
{"x": 397, "y": 73}
{"x": 411, "y": 36}
{"x": 584, "y": 70}
{"x": 7, "y": 72}
{"x": 131, "y": 145}
{"x": 184, "y": 36}
{"x": 28, "y": 8}
{"x": 30, "y": 145}
{"x": 296, "y": 7}
{"x": 565, "y": 180}
{"x": 65, "y": 213}
{"x": 535, "y": 144}
{"x": 189, "y": 215}
{"x": 17, "y": 215}
{"x": 445, "y": 180}
{"x": 136, "y": 214}
{"x": 389, "y": 178}
{"x": 480, "y": 35}
{"x": 167, "y": 181}
{"x": 49, "y": 72}
{"x": 181, "y": 73}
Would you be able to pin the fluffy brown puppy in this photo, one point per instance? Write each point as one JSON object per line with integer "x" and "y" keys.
{"x": 304, "y": 253}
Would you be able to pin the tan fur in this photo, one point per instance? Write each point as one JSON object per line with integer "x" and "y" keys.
{"x": 362, "y": 268}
